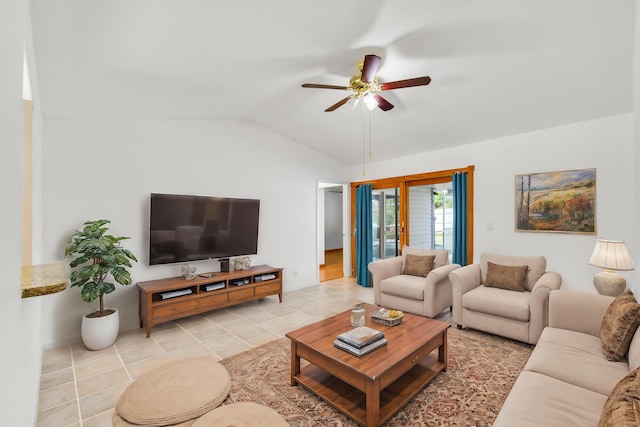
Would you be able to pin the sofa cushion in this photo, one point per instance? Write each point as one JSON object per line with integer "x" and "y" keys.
{"x": 575, "y": 358}
{"x": 622, "y": 408}
{"x": 540, "y": 400}
{"x": 442, "y": 256}
{"x": 416, "y": 265}
{"x": 511, "y": 278}
{"x": 537, "y": 265}
{"x": 619, "y": 324}
{"x": 513, "y": 305}
{"x": 405, "y": 286}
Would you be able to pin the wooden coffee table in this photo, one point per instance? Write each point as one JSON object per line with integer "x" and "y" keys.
{"x": 371, "y": 388}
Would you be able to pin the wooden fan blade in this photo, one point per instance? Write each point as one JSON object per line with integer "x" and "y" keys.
{"x": 418, "y": 81}
{"x": 370, "y": 67}
{"x": 338, "y": 104}
{"x": 316, "y": 86}
{"x": 383, "y": 104}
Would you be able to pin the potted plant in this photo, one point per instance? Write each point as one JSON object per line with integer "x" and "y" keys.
{"x": 97, "y": 255}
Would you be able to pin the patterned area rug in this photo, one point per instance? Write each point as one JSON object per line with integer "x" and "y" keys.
{"x": 482, "y": 369}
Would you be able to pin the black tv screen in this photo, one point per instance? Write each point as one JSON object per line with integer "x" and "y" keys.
{"x": 187, "y": 228}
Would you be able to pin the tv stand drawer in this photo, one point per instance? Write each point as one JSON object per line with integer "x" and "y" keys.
{"x": 241, "y": 294}
{"x": 269, "y": 289}
{"x": 174, "y": 309}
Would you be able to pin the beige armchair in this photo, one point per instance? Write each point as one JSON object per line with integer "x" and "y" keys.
{"x": 424, "y": 296}
{"x": 517, "y": 314}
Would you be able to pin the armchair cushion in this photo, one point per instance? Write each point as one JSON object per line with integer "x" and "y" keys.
{"x": 416, "y": 265}
{"x": 618, "y": 325}
{"x": 405, "y": 286}
{"x": 511, "y": 278}
{"x": 497, "y": 302}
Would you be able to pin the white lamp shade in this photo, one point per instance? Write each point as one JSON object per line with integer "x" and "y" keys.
{"x": 611, "y": 255}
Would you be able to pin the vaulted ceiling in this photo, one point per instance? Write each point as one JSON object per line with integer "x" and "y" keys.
{"x": 498, "y": 67}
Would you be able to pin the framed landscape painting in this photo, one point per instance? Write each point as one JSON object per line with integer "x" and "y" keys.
{"x": 562, "y": 202}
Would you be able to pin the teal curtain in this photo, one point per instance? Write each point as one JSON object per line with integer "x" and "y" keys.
{"x": 364, "y": 235}
{"x": 460, "y": 220}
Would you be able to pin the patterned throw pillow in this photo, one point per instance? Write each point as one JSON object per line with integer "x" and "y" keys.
{"x": 618, "y": 325}
{"x": 622, "y": 408}
{"x": 418, "y": 265}
{"x": 511, "y": 278}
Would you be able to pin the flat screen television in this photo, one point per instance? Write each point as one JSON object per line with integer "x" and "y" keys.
{"x": 184, "y": 228}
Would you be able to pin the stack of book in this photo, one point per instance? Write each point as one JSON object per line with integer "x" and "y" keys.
{"x": 360, "y": 341}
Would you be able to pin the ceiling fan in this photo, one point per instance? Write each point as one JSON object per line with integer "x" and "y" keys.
{"x": 366, "y": 86}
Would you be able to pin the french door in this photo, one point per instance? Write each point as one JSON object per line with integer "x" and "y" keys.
{"x": 414, "y": 210}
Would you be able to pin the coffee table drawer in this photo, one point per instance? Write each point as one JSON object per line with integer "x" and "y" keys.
{"x": 411, "y": 360}
{"x": 241, "y": 294}
{"x": 175, "y": 308}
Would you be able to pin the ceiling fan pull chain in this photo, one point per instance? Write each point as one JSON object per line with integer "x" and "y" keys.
{"x": 363, "y": 142}
{"x": 369, "y": 133}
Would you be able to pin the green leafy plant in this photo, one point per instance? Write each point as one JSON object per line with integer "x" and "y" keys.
{"x": 95, "y": 256}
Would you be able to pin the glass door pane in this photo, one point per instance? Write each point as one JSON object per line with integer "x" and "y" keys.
{"x": 431, "y": 216}
{"x": 386, "y": 227}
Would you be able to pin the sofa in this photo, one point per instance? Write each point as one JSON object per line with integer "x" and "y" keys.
{"x": 567, "y": 380}
{"x": 425, "y": 296}
{"x": 504, "y": 295}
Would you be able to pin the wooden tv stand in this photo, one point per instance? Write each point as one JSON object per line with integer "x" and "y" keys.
{"x": 234, "y": 287}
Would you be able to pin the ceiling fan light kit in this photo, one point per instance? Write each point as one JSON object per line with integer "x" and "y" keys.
{"x": 366, "y": 86}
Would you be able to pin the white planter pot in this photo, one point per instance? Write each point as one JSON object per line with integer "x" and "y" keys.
{"x": 99, "y": 333}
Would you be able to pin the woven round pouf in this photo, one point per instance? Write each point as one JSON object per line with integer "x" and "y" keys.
{"x": 244, "y": 414}
{"x": 174, "y": 393}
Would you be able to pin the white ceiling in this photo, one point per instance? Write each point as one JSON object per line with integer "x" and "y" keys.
{"x": 498, "y": 67}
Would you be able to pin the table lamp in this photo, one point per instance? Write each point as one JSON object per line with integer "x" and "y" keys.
{"x": 611, "y": 255}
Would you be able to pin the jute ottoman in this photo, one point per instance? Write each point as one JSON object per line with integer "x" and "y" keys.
{"x": 244, "y": 414}
{"x": 173, "y": 394}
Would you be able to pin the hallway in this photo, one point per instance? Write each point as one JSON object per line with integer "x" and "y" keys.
{"x": 333, "y": 265}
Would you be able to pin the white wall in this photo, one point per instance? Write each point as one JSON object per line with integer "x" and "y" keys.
{"x": 19, "y": 329}
{"x": 107, "y": 168}
{"x": 605, "y": 144}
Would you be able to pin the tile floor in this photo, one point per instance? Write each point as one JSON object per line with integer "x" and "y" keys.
{"x": 79, "y": 388}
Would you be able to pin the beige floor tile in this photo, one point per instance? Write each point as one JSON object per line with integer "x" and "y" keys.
{"x": 63, "y": 415}
{"x": 222, "y": 342}
{"x": 56, "y": 396}
{"x": 56, "y": 378}
{"x": 210, "y": 333}
{"x": 81, "y": 354}
{"x": 55, "y": 364}
{"x": 161, "y": 336}
{"x": 95, "y": 367}
{"x": 178, "y": 342}
{"x": 101, "y": 401}
{"x": 54, "y": 353}
{"x": 102, "y": 381}
{"x": 100, "y": 420}
{"x": 148, "y": 352}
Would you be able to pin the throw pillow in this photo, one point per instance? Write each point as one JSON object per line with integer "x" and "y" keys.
{"x": 618, "y": 325}
{"x": 511, "y": 278}
{"x": 622, "y": 407}
{"x": 418, "y": 265}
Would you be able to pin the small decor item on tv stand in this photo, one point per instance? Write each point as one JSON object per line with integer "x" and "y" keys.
{"x": 188, "y": 272}
{"x": 242, "y": 263}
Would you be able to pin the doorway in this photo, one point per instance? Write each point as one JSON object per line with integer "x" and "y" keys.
{"x": 331, "y": 231}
